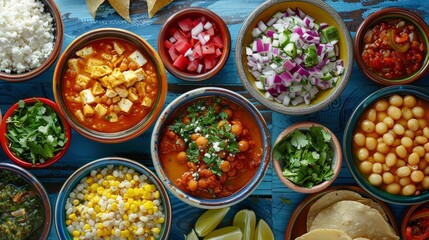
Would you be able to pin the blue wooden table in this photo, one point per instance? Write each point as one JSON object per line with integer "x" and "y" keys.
{"x": 272, "y": 201}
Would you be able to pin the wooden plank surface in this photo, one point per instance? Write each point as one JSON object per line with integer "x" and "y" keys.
{"x": 268, "y": 200}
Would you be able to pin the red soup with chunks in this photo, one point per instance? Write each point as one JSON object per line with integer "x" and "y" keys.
{"x": 394, "y": 49}
{"x": 211, "y": 148}
{"x": 109, "y": 85}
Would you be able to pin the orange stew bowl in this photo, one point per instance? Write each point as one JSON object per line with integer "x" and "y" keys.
{"x": 211, "y": 147}
{"x": 110, "y": 85}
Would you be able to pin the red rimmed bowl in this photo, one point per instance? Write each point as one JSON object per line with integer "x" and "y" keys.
{"x": 399, "y": 52}
{"x": 171, "y": 29}
{"x": 5, "y": 142}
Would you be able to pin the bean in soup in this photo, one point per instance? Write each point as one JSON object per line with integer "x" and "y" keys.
{"x": 212, "y": 148}
{"x": 109, "y": 85}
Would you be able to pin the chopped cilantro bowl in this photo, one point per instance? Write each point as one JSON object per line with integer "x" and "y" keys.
{"x": 306, "y": 155}
{"x": 33, "y": 133}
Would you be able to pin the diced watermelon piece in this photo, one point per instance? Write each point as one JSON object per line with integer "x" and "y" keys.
{"x": 182, "y": 46}
{"x": 198, "y": 51}
{"x": 209, "y": 49}
{"x": 192, "y": 41}
{"x": 196, "y": 21}
{"x": 185, "y": 24}
{"x": 210, "y": 61}
{"x": 173, "y": 53}
{"x": 168, "y": 44}
{"x": 210, "y": 32}
{"x": 217, "y": 40}
{"x": 172, "y": 30}
{"x": 192, "y": 66}
{"x": 181, "y": 62}
{"x": 218, "y": 52}
{"x": 179, "y": 35}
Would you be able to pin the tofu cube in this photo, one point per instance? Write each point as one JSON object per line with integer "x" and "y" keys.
{"x": 141, "y": 87}
{"x": 122, "y": 92}
{"x": 118, "y": 48}
{"x": 87, "y": 97}
{"x": 88, "y": 111}
{"x": 73, "y": 64}
{"x": 106, "y": 56}
{"x": 111, "y": 93}
{"x": 137, "y": 58}
{"x": 140, "y": 74}
{"x": 133, "y": 97}
{"x": 125, "y": 105}
{"x": 97, "y": 89}
{"x": 85, "y": 52}
{"x": 79, "y": 115}
{"x": 130, "y": 78}
{"x": 100, "y": 71}
{"x": 100, "y": 110}
{"x": 116, "y": 99}
{"x": 82, "y": 80}
{"x": 92, "y": 62}
{"x": 112, "y": 117}
{"x": 147, "y": 102}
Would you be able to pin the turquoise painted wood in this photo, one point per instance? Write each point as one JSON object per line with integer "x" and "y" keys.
{"x": 268, "y": 201}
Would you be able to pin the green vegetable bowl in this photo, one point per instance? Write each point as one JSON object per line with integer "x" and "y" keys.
{"x": 307, "y": 157}
{"x": 33, "y": 134}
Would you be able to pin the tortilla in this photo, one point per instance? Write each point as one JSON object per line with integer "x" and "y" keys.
{"x": 361, "y": 238}
{"x": 153, "y": 6}
{"x": 355, "y": 219}
{"x": 324, "y": 234}
{"x": 93, "y": 6}
{"x": 336, "y": 196}
{"x": 122, "y": 7}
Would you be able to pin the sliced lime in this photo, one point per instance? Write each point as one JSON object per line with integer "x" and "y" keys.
{"x": 246, "y": 220}
{"x": 263, "y": 231}
{"x": 226, "y": 233}
{"x": 209, "y": 220}
{"x": 192, "y": 235}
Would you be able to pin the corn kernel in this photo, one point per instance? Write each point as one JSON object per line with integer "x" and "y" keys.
{"x": 110, "y": 177}
{"x": 148, "y": 205}
{"x": 87, "y": 226}
{"x": 72, "y": 216}
{"x": 156, "y": 195}
{"x": 90, "y": 205}
{"x": 125, "y": 217}
{"x": 161, "y": 220}
{"x": 89, "y": 180}
{"x": 100, "y": 190}
{"x": 133, "y": 208}
{"x": 155, "y": 209}
{"x": 151, "y": 238}
{"x": 133, "y": 182}
{"x": 76, "y": 238}
{"x": 68, "y": 222}
{"x": 156, "y": 230}
{"x": 99, "y": 176}
{"x": 130, "y": 192}
{"x": 76, "y": 233}
{"x": 100, "y": 226}
{"x": 126, "y": 206}
{"x": 114, "y": 206}
{"x": 147, "y": 188}
{"x": 75, "y": 202}
{"x": 128, "y": 177}
{"x": 97, "y": 208}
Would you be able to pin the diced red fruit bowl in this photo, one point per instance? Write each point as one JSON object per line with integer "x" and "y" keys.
{"x": 194, "y": 44}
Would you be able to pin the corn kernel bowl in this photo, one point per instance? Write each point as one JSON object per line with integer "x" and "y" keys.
{"x": 98, "y": 200}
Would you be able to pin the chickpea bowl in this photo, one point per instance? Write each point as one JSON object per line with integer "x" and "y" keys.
{"x": 211, "y": 147}
{"x": 386, "y": 144}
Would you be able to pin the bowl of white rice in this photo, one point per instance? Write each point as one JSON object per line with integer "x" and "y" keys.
{"x": 31, "y": 39}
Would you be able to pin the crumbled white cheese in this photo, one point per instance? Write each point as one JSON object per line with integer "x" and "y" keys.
{"x": 27, "y": 35}
{"x": 208, "y": 155}
{"x": 198, "y": 129}
{"x": 216, "y": 146}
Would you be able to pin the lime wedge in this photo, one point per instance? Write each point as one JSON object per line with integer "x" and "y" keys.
{"x": 192, "y": 235}
{"x": 263, "y": 231}
{"x": 226, "y": 233}
{"x": 246, "y": 220}
{"x": 209, "y": 220}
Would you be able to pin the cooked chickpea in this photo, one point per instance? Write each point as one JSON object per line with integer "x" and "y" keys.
{"x": 404, "y": 171}
{"x": 402, "y": 122}
{"x": 409, "y": 101}
{"x": 427, "y": 157}
{"x": 243, "y": 145}
{"x": 413, "y": 124}
{"x": 375, "y": 179}
{"x": 426, "y": 132}
{"x": 381, "y": 105}
{"x": 419, "y": 150}
{"x": 377, "y": 168}
{"x": 421, "y": 140}
{"x": 396, "y": 100}
{"x": 393, "y": 188}
{"x": 400, "y": 163}
{"x": 406, "y": 142}
{"x": 417, "y": 176}
{"x": 225, "y": 166}
{"x": 371, "y": 115}
{"x": 409, "y": 133}
{"x": 383, "y": 148}
{"x": 386, "y": 168}
{"x": 407, "y": 113}
{"x": 237, "y": 129}
{"x": 418, "y": 112}
{"x": 390, "y": 159}
{"x": 426, "y": 147}
{"x": 229, "y": 112}
{"x": 389, "y": 122}
{"x": 381, "y": 116}
{"x": 368, "y": 126}
{"x": 401, "y": 151}
{"x": 425, "y": 182}
{"x": 366, "y": 167}
{"x": 409, "y": 190}
{"x": 422, "y": 165}
{"x": 181, "y": 157}
{"x": 378, "y": 157}
{"x": 381, "y": 128}
{"x": 398, "y": 129}
{"x": 396, "y": 142}
{"x": 388, "y": 138}
{"x": 413, "y": 159}
{"x": 202, "y": 142}
{"x": 388, "y": 178}
{"x": 371, "y": 143}
{"x": 404, "y": 181}
{"x": 394, "y": 112}
{"x": 363, "y": 154}
{"x": 192, "y": 185}
{"x": 359, "y": 139}
{"x": 422, "y": 123}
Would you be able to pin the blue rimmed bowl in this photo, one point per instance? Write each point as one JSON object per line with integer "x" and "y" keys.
{"x": 85, "y": 170}
{"x": 43, "y": 231}
{"x": 166, "y": 118}
{"x": 351, "y": 158}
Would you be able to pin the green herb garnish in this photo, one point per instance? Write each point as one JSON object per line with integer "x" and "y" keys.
{"x": 35, "y": 133}
{"x": 306, "y": 156}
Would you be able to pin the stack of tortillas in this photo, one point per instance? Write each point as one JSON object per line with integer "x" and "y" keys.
{"x": 346, "y": 215}
{"x": 123, "y": 7}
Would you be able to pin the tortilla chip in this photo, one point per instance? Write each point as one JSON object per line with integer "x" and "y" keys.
{"x": 355, "y": 219}
{"x": 122, "y": 7}
{"x": 153, "y": 6}
{"x": 93, "y": 6}
{"x": 322, "y": 234}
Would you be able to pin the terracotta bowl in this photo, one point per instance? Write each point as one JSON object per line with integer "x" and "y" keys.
{"x": 172, "y": 22}
{"x": 322, "y": 13}
{"x": 50, "y": 7}
{"x": 384, "y": 15}
{"x": 411, "y": 210}
{"x": 23, "y": 162}
{"x": 337, "y": 159}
